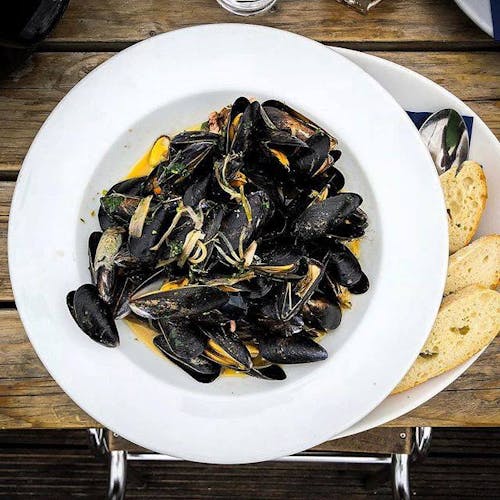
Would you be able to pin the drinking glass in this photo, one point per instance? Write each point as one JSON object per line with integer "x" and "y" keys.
{"x": 247, "y": 7}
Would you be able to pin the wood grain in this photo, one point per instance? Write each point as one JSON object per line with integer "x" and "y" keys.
{"x": 29, "y": 398}
{"x": 29, "y": 95}
{"x": 397, "y": 21}
{"x": 46, "y": 464}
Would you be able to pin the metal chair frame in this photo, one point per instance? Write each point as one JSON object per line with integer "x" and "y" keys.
{"x": 399, "y": 462}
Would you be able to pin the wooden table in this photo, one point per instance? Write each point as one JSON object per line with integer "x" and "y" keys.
{"x": 432, "y": 37}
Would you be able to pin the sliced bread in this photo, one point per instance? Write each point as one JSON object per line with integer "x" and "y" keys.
{"x": 467, "y": 321}
{"x": 476, "y": 264}
{"x": 465, "y": 196}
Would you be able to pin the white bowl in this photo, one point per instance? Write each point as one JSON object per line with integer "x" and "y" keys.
{"x": 160, "y": 86}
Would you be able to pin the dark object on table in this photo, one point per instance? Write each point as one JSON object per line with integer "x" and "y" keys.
{"x": 23, "y": 25}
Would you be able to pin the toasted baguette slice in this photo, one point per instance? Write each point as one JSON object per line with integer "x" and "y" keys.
{"x": 465, "y": 196}
{"x": 467, "y": 321}
{"x": 476, "y": 264}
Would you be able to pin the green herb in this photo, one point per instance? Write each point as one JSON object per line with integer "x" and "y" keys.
{"x": 82, "y": 220}
{"x": 104, "y": 192}
{"x": 175, "y": 248}
{"x": 205, "y": 126}
{"x": 265, "y": 204}
{"x": 175, "y": 168}
{"x": 112, "y": 202}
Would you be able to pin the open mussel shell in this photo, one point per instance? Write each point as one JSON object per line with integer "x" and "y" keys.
{"x": 296, "y": 294}
{"x": 179, "y": 302}
{"x": 200, "y": 368}
{"x": 93, "y": 242}
{"x": 183, "y": 337}
{"x": 227, "y": 347}
{"x": 107, "y": 249}
{"x": 93, "y": 315}
{"x": 234, "y": 120}
{"x": 291, "y": 350}
{"x": 319, "y": 217}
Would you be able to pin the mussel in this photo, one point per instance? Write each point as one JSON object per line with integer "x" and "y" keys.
{"x": 93, "y": 315}
{"x": 239, "y": 248}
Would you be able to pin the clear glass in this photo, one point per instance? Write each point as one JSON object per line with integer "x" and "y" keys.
{"x": 247, "y": 7}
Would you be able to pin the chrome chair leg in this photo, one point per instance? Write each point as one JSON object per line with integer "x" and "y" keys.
{"x": 423, "y": 437}
{"x": 400, "y": 476}
{"x": 117, "y": 475}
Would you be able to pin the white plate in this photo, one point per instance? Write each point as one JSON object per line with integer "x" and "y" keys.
{"x": 479, "y": 11}
{"x": 164, "y": 84}
{"x": 417, "y": 93}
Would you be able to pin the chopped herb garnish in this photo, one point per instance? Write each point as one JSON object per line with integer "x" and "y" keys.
{"x": 112, "y": 202}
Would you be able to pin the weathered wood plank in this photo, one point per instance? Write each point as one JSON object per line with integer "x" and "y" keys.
{"x": 29, "y": 95}
{"x": 325, "y": 20}
{"x": 29, "y": 398}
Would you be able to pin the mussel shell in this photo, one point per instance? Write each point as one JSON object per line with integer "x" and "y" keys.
{"x": 361, "y": 286}
{"x": 290, "y": 350}
{"x": 184, "y": 338}
{"x": 153, "y": 229}
{"x": 129, "y": 187}
{"x": 343, "y": 267}
{"x": 316, "y": 220}
{"x": 197, "y": 191}
{"x": 92, "y": 247}
{"x": 120, "y": 207}
{"x": 286, "y": 118}
{"x": 323, "y": 313}
{"x": 236, "y": 307}
{"x": 93, "y": 315}
{"x": 123, "y": 292}
{"x": 236, "y": 221}
{"x": 291, "y": 304}
{"x": 271, "y": 372}
{"x": 105, "y": 221}
{"x": 104, "y": 262}
{"x": 200, "y": 368}
{"x": 309, "y": 160}
{"x": 180, "y": 141}
{"x": 239, "y": 106}
{"x": 178, "y": 302}
{"x": 230, "y": 343}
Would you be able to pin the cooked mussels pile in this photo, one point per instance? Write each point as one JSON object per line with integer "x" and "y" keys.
{"x": 234, "y": 249}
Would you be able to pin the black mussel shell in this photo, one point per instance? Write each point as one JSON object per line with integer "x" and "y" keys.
{"x": 319, "y": 217}
{"x": 310, "y": 160}
{"x": 361, "y": 286}
{"x": 93, "y": 315}
{"x": 184, "y": 338}
{"x": 319, "y": 312}
{"x": 129, "y": 187}
{"x": 290, "y": 350}
{"x": 271, "y": 372}
{"x": 344, "y": 268}
{"x": 153, "y": 229}
{"x": 200, "y": 368}
{"x": 197, "y": 191}
{"x": 120, "y": 207}
{"x": 178, "y": 302}
{"x": 230, "y": 343}
{"x": 93, "y": 242}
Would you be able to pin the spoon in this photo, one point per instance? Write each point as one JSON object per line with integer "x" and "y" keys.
{"x": 446, "y": 137}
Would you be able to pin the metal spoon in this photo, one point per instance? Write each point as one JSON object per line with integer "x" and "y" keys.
{"x": 446, "y": 137}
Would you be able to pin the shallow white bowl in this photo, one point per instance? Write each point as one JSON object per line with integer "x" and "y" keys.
{"x": 160, "y": 86}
